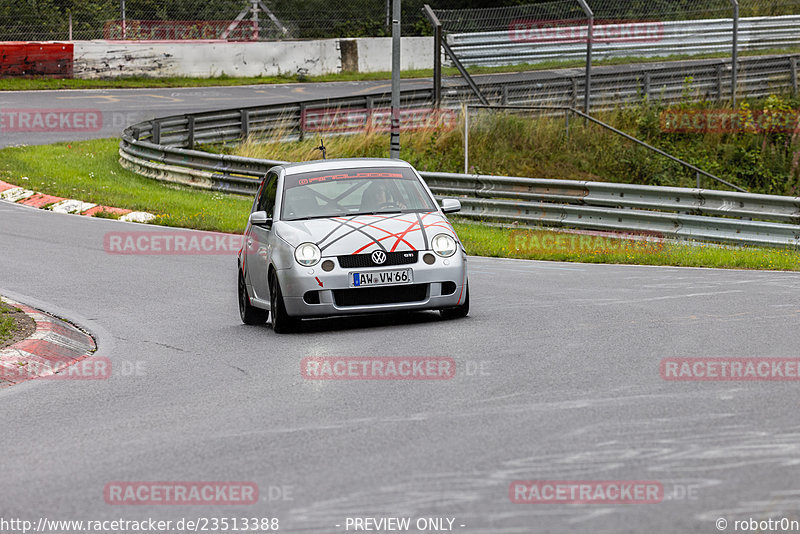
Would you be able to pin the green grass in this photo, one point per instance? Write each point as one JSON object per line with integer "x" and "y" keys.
{"x": 43, "y": 83}
{"x": 483, "y": 240}
{"x": 6, "y": 323}
{"x": 89, "y": 171}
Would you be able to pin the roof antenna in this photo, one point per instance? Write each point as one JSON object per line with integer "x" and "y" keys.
{"x": 322, "y": 148}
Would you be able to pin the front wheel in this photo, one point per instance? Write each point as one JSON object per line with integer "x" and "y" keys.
{"x": 249, "y": 313}
{"x": 282, "y": 323}
{"x": 459, "y": 311}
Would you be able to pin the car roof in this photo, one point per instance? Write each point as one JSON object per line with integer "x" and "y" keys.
{"x": 342, "y": 163}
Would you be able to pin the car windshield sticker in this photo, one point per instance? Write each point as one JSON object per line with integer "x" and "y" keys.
{"x": 305, "y": 179}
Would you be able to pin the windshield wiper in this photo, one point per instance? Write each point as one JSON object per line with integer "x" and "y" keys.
{"x": 314, "y": 217}
{"x": 375, "y": 212}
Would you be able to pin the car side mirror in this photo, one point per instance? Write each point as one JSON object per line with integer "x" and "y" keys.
{"x": 259, "y": 218}
{"x": 451, "y": 205}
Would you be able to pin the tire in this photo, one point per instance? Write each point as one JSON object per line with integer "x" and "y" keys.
{"x": 249, "y": 313}
{"x": 282, "y": 323}
{"x": 459, "y": 311}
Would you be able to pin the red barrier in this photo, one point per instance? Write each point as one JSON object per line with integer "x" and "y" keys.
{"x": 36, "y": 59}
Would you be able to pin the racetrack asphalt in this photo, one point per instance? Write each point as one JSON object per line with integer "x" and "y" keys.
{"x": 567, "y": 388}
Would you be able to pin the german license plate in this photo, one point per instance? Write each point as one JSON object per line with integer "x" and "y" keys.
{"x": 382, "y": 278}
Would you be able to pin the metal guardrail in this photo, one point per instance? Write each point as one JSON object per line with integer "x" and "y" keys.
{"x": 163, "y": 149}
{"x": 654, "y": 39}
{"x": 675, "y": 212}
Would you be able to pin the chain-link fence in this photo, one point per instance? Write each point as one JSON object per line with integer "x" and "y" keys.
{"x": 237, "y": 20}
{"x": 563, "y": 12}
{"x": 577, "y": 32}
{"x": 540, "y": 32}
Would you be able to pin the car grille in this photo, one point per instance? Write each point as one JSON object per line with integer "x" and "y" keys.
{"x": 365, "y": 260}
{"x": 364, "y": 296}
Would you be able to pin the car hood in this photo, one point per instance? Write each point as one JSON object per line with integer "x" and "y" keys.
{"x": 339, "y": 236}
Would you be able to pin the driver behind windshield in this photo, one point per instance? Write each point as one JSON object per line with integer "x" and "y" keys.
{"x": 378, "y": 197}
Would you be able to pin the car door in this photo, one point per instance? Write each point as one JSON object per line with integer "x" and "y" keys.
{"x": 260, "y": 239}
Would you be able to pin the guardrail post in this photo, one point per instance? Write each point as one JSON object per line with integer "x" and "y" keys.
{"x": 719, "y": 83}
{"x": 793, "y": 62}
{"x": 504, "y": 96}
{"x": 574, "y": 102}
{"x": 646, "y": 88}
{"x": 698, "y": 179}
{"x": 369, "y": 103}
{"x": 190, "y": 130}
{"x": 245, "y": 127}
{"x": 301, "y": 124}
{"x": 156, "y": 135}
{"x": 566, "y": 123}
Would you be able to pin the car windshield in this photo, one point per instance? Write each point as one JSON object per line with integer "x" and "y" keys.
{"x": 344, "y": 192}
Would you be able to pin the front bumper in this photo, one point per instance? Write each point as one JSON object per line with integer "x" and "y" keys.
{"x": 444, "y": 273}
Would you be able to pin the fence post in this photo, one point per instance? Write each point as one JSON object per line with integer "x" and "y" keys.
{"x": 190, "y": 128}
{"x": 589, "y": 40}
{"x": 437, "y": 54}
{"x": 698, "y": 179}
{"x": 735, "y": 58}
{"x": 793, "y": 63}
{"x": 394, "y": 136}
{"x": 566, "y": 123}
{"x": 122, "y": 10}
{"x": 466, "y": 139}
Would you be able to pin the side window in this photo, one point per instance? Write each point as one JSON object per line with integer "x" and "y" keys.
{"x": 267, "y": 200}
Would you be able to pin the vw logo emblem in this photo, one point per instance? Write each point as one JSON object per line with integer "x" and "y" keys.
{"x": 378, "y": 257}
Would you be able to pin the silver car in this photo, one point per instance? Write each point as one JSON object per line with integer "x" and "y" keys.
{"x": 347, "y": 236}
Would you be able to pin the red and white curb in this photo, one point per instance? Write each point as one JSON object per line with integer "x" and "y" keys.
{"x": 20, "y": 195}
{"x": 53, "y": 347}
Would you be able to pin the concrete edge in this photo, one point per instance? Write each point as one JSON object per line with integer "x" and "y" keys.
{"x": 26, "y": 197}
{"x": 55, "y": 345}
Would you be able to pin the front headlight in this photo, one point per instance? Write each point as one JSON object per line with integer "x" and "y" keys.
{"x": 307, "y": 254}
{"x": 444, "y": 245}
